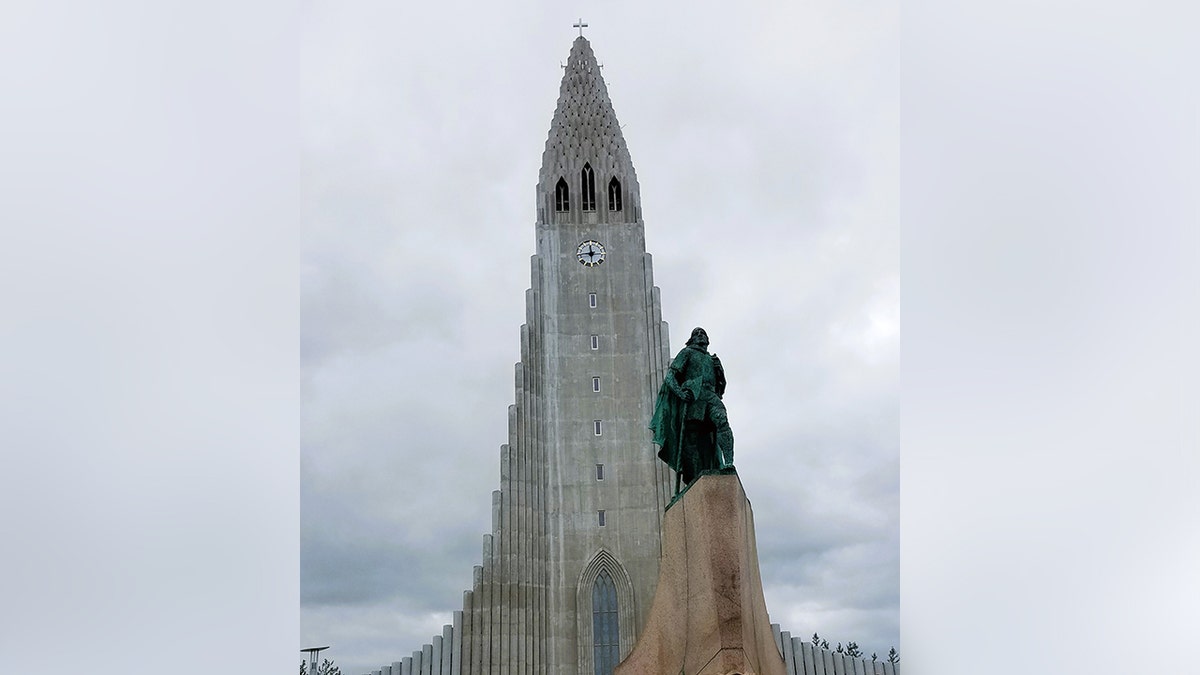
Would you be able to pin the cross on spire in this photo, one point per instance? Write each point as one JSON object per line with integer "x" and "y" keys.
{"x": 581, "y": 25}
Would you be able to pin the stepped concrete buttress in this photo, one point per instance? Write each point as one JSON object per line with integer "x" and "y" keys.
{"x": 708, "y": 616}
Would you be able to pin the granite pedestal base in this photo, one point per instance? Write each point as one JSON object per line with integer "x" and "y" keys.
{"x": 708, "y": 616}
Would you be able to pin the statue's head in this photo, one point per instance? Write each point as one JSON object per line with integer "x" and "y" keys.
{"x": 699, "y": 338}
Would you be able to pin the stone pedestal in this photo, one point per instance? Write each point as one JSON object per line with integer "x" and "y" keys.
{"x": 708, "y": 616}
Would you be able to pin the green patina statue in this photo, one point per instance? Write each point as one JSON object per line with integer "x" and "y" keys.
{"x": 689, "y": 423}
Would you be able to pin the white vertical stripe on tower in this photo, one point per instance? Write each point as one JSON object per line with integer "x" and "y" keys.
{"x": 504, "y": 566}
{"x": 477, "y": 606}
{"x": 789, "y": 652}
{"x": 456, "y": 650}
{"x": 522, "y": 620}
{"x": 517, "y": 611}
{"x": 536, "y": 366}
{"x": 435, "y": 664}
{"x": 509, "y": 571}
{"x": 494, "y": 585}
{"x": 653, "y": 367}
{"x": 448, "y": 649}
{"x": 487, "y": 599}
{"x": 796, "y": 647}
{"x": 662, "y": 349}
{"x": 462, "y": 639}
{"x": 533, "y": 472}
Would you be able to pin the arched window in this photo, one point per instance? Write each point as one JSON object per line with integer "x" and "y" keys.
{"x": 614, "y": 194}
{"x": 562, "y": 196}
{"x": 605, "y": 621}
{"x": 605, "y": 636}
{"x": 589, "y": 188}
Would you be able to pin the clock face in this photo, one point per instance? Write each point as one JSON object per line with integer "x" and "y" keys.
{"x": 590, "y": 253}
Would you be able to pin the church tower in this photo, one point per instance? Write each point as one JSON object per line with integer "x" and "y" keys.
{"x": 569, "y": 569}
{"x": 602, "y": 352}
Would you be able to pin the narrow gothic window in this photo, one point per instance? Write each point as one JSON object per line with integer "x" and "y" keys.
{"x": 595, "y": 342}
{"x": 592, "y": 302}
{"x": 589, "y": 188}
{"x": 562, "y": 196}
{"x": 614, "y": 194}
{"x": 600, "y": 516}
{"x": 605, "y": 638}
{"x": 599, "y": 472}
{"x": 595, "y": 384}
{"x": 596, "y": 427}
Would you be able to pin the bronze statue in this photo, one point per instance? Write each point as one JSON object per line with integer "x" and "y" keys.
{"x": 689, "y": 422}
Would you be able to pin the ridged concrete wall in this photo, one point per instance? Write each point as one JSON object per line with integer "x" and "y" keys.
{"x": 802, "y": 658}
{"x": 444, "y": 654}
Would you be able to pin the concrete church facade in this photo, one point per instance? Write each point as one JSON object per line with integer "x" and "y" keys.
{"x": 569, "y": 569}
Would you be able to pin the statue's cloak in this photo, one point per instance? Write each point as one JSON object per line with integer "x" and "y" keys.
{"x": 667, "y": 425}
{"x": 701, "y": 373}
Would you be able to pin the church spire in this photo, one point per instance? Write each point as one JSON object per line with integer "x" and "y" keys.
{"x": 586, "y": 160}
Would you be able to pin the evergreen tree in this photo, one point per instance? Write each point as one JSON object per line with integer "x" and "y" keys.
{"x": 326, "y": 668}
{"x": 853, "y": 650}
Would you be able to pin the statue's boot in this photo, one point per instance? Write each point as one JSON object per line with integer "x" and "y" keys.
{"x": 724, "y": 440}
{"x": 725, "y": 448}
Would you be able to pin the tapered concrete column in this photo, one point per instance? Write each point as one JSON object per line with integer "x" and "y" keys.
{"x": 708, "y": 615}
{"x": 457, "y": 653}
{"x": 426, "y": 659}
{"x": 447, "y": 648}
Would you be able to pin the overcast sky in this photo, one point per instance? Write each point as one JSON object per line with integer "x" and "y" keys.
{"x": 765, "y": 140}
{"x": 149, "y": 370}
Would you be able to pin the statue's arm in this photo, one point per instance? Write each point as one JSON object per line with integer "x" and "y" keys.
{"x": 676, "y": 374}
{"x": 720, "y": 375}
